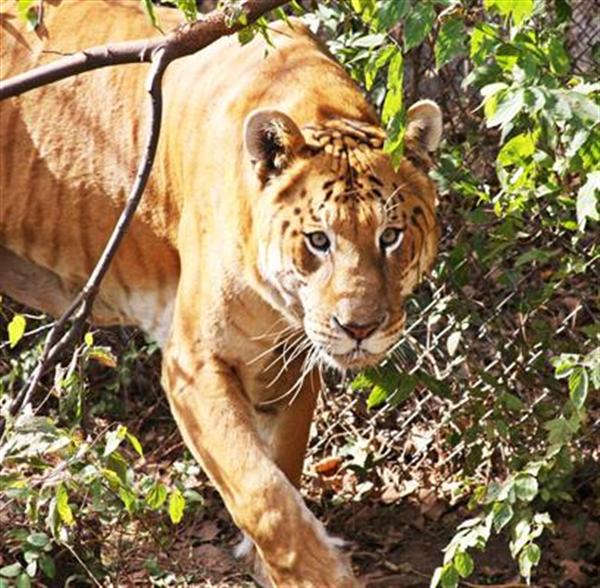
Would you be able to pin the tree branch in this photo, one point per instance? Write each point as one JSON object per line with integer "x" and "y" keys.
{"x": 185, "y": 40}
{"x": 160, "y": 53}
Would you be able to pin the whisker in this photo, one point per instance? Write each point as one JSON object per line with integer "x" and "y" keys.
{"x": 268, "y": 334}
{"x": 394, "y": 194}
{"x": 294, "y": 387}
{"x": 300, "y": 347}
{"x": 274, "y": 346}
{"x": 312, "y": 359}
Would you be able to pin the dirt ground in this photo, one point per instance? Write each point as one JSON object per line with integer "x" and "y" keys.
{"x": 392, "y": 545}
{"x": 394, "y": 530}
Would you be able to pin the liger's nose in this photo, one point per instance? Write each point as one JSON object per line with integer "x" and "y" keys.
{"x": 358, "y": 331}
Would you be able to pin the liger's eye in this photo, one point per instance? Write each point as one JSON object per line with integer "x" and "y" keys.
{"x": 390, "y": 239}
{"x": 318, "y": 241}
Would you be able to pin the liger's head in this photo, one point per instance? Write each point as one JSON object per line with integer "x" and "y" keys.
{"x": 343, "y": 238}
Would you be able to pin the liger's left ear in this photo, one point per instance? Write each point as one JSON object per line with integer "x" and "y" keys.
{"x": 272, "y": 139}
{"x": 423, "y": 129}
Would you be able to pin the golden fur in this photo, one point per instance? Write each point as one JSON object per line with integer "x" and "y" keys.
{"x": 259, "y": 249}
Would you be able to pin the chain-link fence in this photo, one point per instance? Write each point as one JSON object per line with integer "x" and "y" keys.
{"x": 483, "y": 324}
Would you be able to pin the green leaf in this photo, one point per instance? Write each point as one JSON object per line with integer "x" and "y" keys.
{"x": 377, "y": 396}
{"x": 516, "y": 150}
{"x": 559, "y": 431}
{"x": 157, "y": 496}
{"x": 521, "y": 534}
{"x": 114, "y": 439}
{"x": 377, "y": 61}
{"x": 176, "y": 506}
{"x": 246, "y": 35}
{"x": 529, "y": 558}
{"x": 506, "y": 108}
{"x": 484, "y": 38}
{"x": 418, "y": 24}
{"x": 502, "y": 514}
{"x": 135, "y": 444}
{"x": 449, "y": 577}
{"x": 381, "y": 381}
{"x": 450, "y": 41}
{"x": 518, "y": 10}
{"x": 391, "y": 11}
{"x": 16, "y": 329}
{"x": 578, "y": 386}
{"x": 148, "y": 7}
{"x": 558, "y": 57}
{"x": 190, "y": 10}
{"x": 62, "y": 505}
{"x": 438, "y": 387}
{"x": 23, "y": 581}
{"x": 405, "y": 388}
{"x": 512, "y": 402}
{"x": 39, "y": 540}
{"x": 47, "y": 565}
{"x": 128, "y": 499}
{"x": 587, "y": 200}
{"x": 11, "y": 571}
{"x": 464, "y": 564}
{"x": 28, "y": 12}
{"x": 526, "y": 487}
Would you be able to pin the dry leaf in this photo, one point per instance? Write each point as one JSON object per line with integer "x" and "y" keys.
{"x": 328, "y": 466}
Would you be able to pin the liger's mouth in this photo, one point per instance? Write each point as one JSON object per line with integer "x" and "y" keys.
{"x": 356, "y": 359}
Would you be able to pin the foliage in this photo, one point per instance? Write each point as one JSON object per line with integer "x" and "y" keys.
{"x": 546, "y": 164}
{"x": 490, "y": 340}
{"x": 68, "y": 483}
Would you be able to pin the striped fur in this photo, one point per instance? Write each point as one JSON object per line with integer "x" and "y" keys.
{"x": 218, "y": 265}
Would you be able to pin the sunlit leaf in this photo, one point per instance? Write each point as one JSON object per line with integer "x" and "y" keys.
{"x": 28, "y": 12}
{"x": 418, "y": 23}
{"x": 176, "y": 506}
{"x": 16, "y": 329}
{"x": 587, "y": 200}
{"x": 450, "y": 41}
{"x": 190, "y": 10}
{"x": 464, "y": 564}
{"x": 578, "y": 386}
{"x": 516, "y": 150}
{"x": 157, "y": 496}
{"x": 62, "y": 505}
{"x": 507, "y": 108}
{"x": 517, "y": 10}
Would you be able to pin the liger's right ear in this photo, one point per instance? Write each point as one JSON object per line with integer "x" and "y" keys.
{"x": 423, "y": 132}
{"x": 272, "y": 139}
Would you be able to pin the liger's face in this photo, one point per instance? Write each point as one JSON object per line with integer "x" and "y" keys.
{"x": 346, "y": 248}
